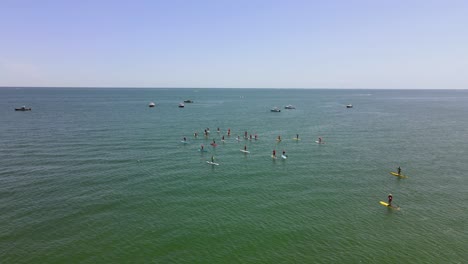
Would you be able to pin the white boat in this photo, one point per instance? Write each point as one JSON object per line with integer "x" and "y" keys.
{"x": 290, "y": 107}
{"x": 275, "y": 109}
{"x": 152, "y": 104}
{"x": 349, "y": 106}
{"x": 181, "y": 105}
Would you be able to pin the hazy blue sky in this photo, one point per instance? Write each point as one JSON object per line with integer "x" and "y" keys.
{"x": 235, "y": 43}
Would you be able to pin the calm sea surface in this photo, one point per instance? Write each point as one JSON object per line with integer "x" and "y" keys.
{"x": 96, "y": 176}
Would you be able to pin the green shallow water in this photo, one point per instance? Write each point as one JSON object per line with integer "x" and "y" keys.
{"x": 95, "y": 176}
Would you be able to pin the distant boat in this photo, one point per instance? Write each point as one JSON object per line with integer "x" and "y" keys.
{"x": 275, "y": 109}
{"x": 188, "y": 101}
{"x": 152, "y": 104}
{"x": 349, "y": 106}
{"x": 23, "y": 108}
{"x": 181, "y": 105}
{"x": 289, "y": 107}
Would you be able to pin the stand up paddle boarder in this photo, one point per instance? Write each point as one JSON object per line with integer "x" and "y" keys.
{"x": 390, "y": 198}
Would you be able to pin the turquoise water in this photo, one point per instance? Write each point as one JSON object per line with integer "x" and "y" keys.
{"x": 96, "y": 176}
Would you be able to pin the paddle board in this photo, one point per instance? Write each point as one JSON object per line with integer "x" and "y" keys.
{"x": 316, "y": 141}
{"x": 284, "y": 156}
{"x": 245, "y": 151}
{"x": 214, "y": 144}
{"x": 273, "y": 157}
{"x": 212, "y": 163}
{"x": 398, "y": 175}
{"x": 296, "y": 139}
{"x": 185, "y": 142}
{"x": 387, "y": 205}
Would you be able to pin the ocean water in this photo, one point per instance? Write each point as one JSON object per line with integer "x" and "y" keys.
{"x": 96, "y": 176}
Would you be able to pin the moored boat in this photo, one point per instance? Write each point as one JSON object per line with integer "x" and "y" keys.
{"x": 23, "y": 108}
{"x": 275, "y": 109}
{"x": 290, "y": 107}
{"x": 152, "y": 104}
{"x": 188, "y": 101}
{"x": 181, "y": 105}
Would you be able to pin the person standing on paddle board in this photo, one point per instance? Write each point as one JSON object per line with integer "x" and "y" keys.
{"x": 256, "y": 136}
{"x": 399, "y": 170}
{"x": 245, "y": 147}
{"x": 201, "y": 147}
{"x": 212, "y": 158}
{"x": 185, "y": 139}
{"x": 195, "y": 134}
{"x": 279, "y": 138}
{"x": 229, "y": 132}
{"x": 274, "y": 153}
{"x": 222, "y": 138}
{"x": 297, "y": 136}
{"x": 245, "y": 134}
{"x": 284, "y": 153}
{"x": 390, "y": 198}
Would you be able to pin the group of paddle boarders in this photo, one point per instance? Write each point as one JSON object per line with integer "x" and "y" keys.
{"x": 247, "y": 136}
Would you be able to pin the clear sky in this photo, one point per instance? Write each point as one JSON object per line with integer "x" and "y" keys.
{"x": 401, "y": 44}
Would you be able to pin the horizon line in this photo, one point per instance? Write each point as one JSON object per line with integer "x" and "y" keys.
{"x": 177, "y": 87}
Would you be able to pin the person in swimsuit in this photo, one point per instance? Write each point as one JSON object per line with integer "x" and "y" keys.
{"x": 390, "y": 198}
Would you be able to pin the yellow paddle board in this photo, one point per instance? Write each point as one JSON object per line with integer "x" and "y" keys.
{"x": 398, "y": 175}
{"x": 389, "y": 206}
